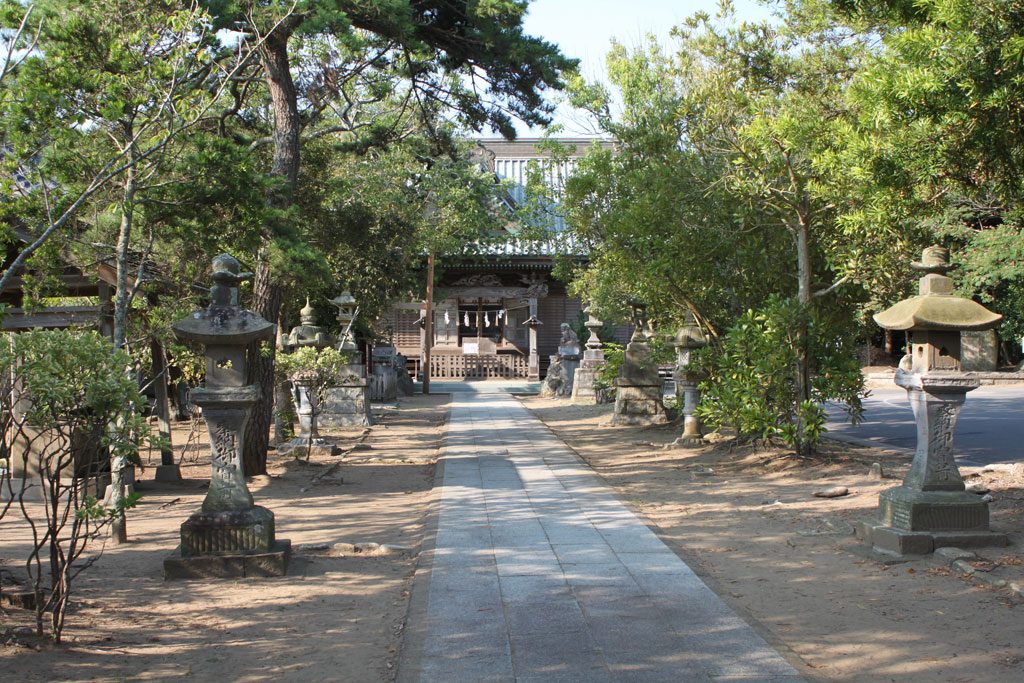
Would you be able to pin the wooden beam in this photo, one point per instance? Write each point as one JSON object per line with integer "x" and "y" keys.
{"x": 54, "y": 317}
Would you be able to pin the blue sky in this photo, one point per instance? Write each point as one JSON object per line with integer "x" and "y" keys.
{"x": 584, "y": 28}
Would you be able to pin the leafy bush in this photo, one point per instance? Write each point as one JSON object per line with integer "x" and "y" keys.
{"x": 325, "y": 365}
{"x": 752, "y": 375}
{"x": 71, "y": 407}
{"x": 614, "y": 354}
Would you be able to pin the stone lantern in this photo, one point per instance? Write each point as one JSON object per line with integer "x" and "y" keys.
{"x": 305, "y": 389}
{"x": 593, "y": 359}
{"x": 229, "y": 536}
{"x": 931, "y": 509}
{"x": 688, "y": 338}
{"x": 638, "y": 388}
{"x": 347, "y": 312}
{"x": 347, "y": 404}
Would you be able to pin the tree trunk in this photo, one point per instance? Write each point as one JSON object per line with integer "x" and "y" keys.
{"x": 163, "y": 407}
{"x": 267, "y": 294}
{"x": 803, "y": 370}
{"x": 266, "y": 302}
{"x": 122, "y": 302}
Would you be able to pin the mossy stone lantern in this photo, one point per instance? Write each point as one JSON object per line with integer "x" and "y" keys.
{"x": 931, "y": 509}
{"x": 229, "y": 536}
{"x": 688, "y": 338}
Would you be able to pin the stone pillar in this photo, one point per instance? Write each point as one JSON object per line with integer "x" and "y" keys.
{"x": 384, "y": 378}
{"x": 229, "y": 536}
{"x": 931, "y": 508}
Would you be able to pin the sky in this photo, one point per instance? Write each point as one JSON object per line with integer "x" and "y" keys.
{"x": 584, "y": 29}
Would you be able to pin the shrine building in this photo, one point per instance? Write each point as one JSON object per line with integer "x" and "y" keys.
{"x": 497, "y": 313}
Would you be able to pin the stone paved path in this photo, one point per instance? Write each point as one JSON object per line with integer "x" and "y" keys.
{"x": 539, "y": 573}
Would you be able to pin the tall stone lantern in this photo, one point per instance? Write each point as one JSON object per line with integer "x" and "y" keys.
{"x": 305, "y": 389}
{"x": 229, "y": 536}
{"x": 931, "y": 509}
{"x": 688, "y": 339}
{"x": 593, "y": 359}
{"x": 347, "y": 404}
{"x": 347, "y": 312}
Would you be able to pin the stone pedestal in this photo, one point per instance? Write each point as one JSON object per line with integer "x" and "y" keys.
{"x": 931, "y": 509}
{"x": 348, "y": 404}
{"x": 638, "y": 388}
{"x": 229, "y": 536}
{"x": 383, "y": 381}
{"x": 583, "y": 391}
{"x": 383, "y": 384}
{"x": 308, "y": 441}
{"x": 558, "y": 381}
{"x": 686, "y": 389}
{"x": 638, "y": 404}
{"x": 403, "y": 381}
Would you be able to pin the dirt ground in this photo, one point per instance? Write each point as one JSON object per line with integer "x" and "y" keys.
{"x": 337, "y": 616}
{"x": 746, "y": 520}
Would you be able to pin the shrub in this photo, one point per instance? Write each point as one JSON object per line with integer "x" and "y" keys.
{"x": 751, "y": 383}
{"x": 614, "y": 354}
{"x": 71, "y": 406}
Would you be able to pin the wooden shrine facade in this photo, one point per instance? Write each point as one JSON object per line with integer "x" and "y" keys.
{"x": 480, "y": 321}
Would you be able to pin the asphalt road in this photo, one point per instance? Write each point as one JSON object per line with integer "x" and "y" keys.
{"x": 990, "y": 428}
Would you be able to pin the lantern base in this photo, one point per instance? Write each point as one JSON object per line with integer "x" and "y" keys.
{"x": 274, "y": 562}
{"x": 228, "y": 544}
{"x": 305, "y": 446}
{"x": 915, "y": 522}
{"x": 892, "y": 541}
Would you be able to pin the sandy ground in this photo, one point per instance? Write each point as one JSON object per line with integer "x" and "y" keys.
{"x": 746, "y": 520}
{"x": 337, "y": 616}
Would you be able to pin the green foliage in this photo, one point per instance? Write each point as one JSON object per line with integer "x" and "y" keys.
{"x": 717, "y": 175}
{"x": 324, "y": 365}
{"x": 932, "y": 143}
{"x": 75, "y": 381}
{"x": 614, "y": 354}
{"x": 74, "y": 402}
{"x": 751, "y": 388}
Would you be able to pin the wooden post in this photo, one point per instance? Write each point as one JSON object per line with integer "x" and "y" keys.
{"x": 428, "y": 328}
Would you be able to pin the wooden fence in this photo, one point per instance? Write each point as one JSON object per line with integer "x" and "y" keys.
{"x": 504, "y": 366}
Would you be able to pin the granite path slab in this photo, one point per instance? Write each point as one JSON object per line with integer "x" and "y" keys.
{"x": 538, "y": 572}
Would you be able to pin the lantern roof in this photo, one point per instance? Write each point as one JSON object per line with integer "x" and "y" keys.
{"x": 224, "y": 322}
{"x": 936, "y": 307}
